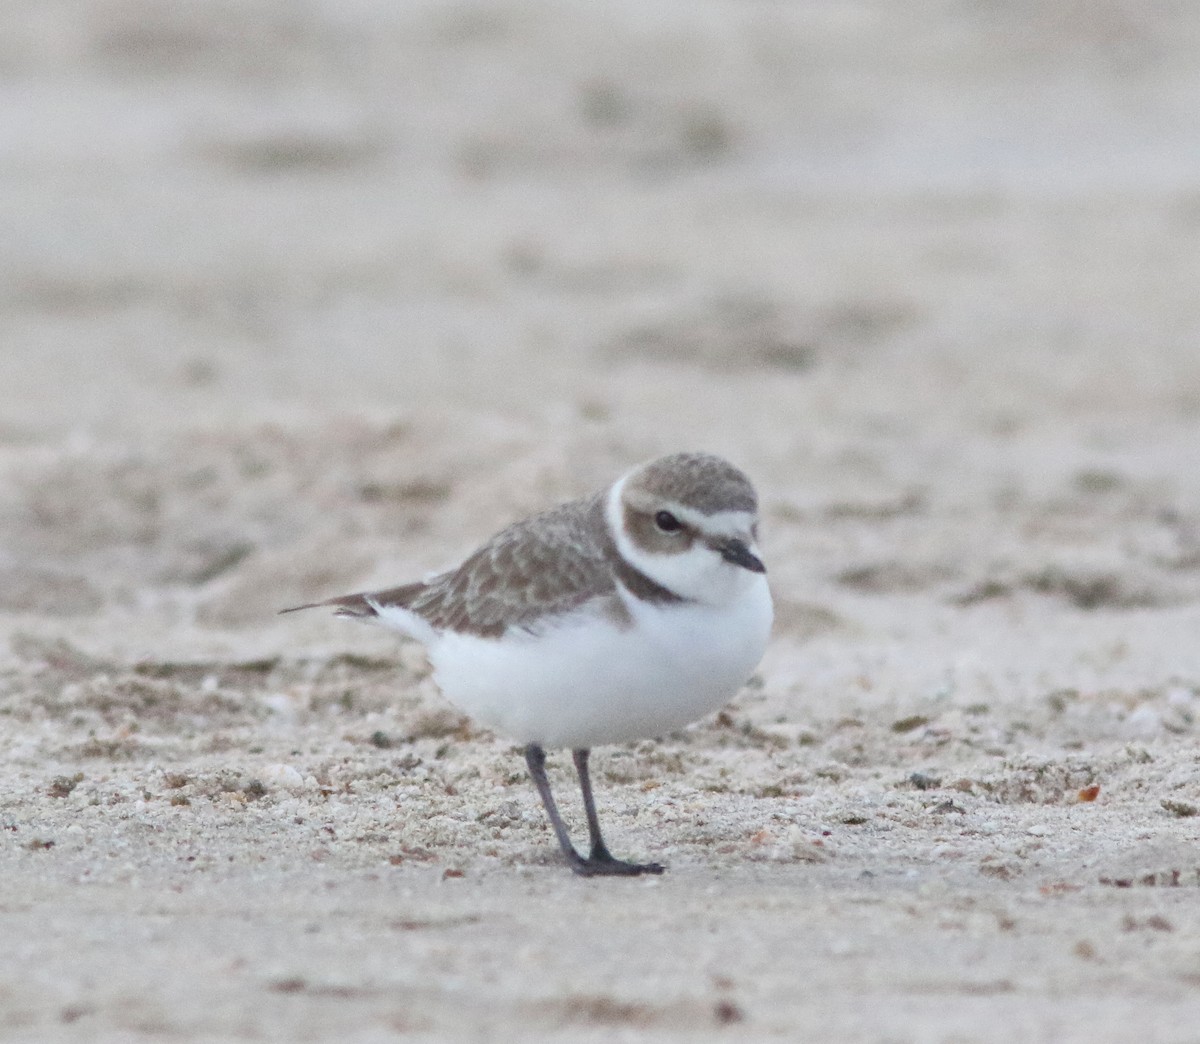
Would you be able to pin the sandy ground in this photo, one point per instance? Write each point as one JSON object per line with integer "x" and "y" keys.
{"x": 300, "y": 297}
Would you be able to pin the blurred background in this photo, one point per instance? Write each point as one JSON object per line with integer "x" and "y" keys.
{"x": 224, "y": 208}
{"x": 300, "y": 294}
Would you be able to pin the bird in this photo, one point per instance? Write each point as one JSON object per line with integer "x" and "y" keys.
{"x": 619, "y": 616}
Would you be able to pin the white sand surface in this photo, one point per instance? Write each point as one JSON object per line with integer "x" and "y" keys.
{"x": 302, "y": 297}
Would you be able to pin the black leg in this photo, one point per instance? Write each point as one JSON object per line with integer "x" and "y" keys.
{"x": 599, "y": 848}
{"x": 600, "y": 862}
{"x": 535, "y": 758}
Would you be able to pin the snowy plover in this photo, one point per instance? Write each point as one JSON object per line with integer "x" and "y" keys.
{"x": 617, "y": 617}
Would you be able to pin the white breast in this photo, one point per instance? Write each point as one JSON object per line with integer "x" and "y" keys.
{"x": 588, "y": 680}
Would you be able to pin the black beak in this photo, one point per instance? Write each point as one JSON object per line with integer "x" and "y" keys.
{"x": 736, "y": 552}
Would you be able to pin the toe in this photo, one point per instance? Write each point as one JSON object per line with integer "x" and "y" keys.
{"x": 615, "y": 868}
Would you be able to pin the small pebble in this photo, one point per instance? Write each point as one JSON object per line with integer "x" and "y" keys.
{"x": 282, "y": 777}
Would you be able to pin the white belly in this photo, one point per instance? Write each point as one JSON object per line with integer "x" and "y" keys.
{"x": 589, "y": 681}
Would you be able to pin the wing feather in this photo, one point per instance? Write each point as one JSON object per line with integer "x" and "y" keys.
{"x": 527, "y": 574}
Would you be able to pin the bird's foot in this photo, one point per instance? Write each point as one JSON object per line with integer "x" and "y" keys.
{"x": 601, "y": 863}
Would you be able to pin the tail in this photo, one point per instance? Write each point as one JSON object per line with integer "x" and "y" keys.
{"x": 354, "y": 606}
{"x": 366, "y": 605}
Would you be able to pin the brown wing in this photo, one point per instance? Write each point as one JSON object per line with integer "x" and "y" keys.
{"x": 542, "y": 567}
{"x": 539, "y": 568}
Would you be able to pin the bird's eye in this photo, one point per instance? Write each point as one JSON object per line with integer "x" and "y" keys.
{"x": 667, "y": 522}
